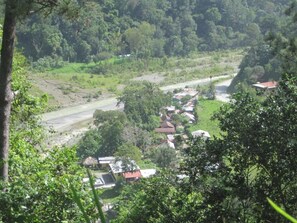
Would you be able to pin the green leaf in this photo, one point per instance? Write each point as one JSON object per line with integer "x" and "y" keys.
{"x": 79, "y": 204}
{"x": 97, "y": 202}
{"x": 281, "y": 211}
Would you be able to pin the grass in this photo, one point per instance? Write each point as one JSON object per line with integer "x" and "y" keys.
{"x": 110, "y": 195}
{"x": 206, "y": 109}
{"x": 147, "y": 164}
{"x": 111, "y": 75}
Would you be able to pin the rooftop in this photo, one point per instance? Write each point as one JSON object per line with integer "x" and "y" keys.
{"x": 266, "y": 85}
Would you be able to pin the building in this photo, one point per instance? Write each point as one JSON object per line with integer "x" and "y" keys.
{"x": 166, "y": 128}
{"x": 201, "y": 133}
{"x": 266, "y": 85}
{"x": 128, "y": 171}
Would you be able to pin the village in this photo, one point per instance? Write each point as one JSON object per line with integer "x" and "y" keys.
{"x": 174, "y": 123}
{"x": 176, "y": 135}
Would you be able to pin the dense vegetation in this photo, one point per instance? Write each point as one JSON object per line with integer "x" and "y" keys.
{"x": 271, "y": 57}
{"x": 38, "y": 187}
{"x": 229, "y": 179}
{"x": 147, "y": 28}
{"x": 223, "y": 180}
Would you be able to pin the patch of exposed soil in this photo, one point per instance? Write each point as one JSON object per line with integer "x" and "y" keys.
{"x": 63, "y": 94}
{"x": 154, "y": 78}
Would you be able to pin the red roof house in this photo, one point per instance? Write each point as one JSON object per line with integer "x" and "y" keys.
{"x": 266, "y": 85}
{"x": 132, "y": 176}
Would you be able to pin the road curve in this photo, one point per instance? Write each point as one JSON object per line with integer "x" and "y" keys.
{"x": 63, "y": 119}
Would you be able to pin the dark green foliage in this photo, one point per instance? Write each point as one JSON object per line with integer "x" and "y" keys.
{"x": 110, "y": 126}
{"x": 164, "y": 156}
{"x": 267, "y": 60}
{"x": 253, "y": 160}
{"x": 148, "y": 28}
{"x": 159, "y": 199}
{"x": 90, "y": 144}
{"x": 142, "y": 104}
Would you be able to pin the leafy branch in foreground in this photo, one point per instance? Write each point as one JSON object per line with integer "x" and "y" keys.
{"x": 96, "y": 199}
{"x": 281, "y": 211}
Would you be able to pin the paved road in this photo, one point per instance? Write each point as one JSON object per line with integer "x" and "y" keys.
{"x": 63, "y": 119}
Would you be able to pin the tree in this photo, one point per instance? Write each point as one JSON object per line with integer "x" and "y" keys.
{"x": 142, "y": 103}
{"x": 38, "y": 183}
{"x": 13, "y": 10}
{"x": 253, "y": 160}
{"x": 89, "y": 144}
{"x": 159, "y": 199}
{"x": 163, "y": 156}
{"x": 129, "y": 152}
{"x": 110, "y": 126}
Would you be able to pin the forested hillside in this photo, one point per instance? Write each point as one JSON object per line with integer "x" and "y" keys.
{"x": 148, "y": 28}
{"x": 270, "y": 57}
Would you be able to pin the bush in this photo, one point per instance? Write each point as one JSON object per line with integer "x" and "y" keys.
{"x": 47, "y": 63}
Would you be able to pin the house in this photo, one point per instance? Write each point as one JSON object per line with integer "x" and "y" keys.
{"x": 189, "y": 116}
{"x": 105, "y": 161}
{"x": 170, "y": 137}
{"x": 266, "y": 85}
{"x": 188, "y": 108}
{"x": 166, "y": 127}
{"x": 128, "y": 171}
{"x": 170, "y": 109}
{"x": 148, "y": 173}
{"x": 201, "y": 133}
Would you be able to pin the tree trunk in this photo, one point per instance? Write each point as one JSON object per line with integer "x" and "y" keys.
{"x": 6, "y": 95}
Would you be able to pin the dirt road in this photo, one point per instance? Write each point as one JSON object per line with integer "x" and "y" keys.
{"x": 64, "y": 119}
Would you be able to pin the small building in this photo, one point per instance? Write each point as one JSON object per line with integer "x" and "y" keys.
{"x": 166, "y": 127}
{"x": 201, "y": 133}
{"x": 170, "y": 137}
{"x": 189, "y": 116}
{"x": 170, "y": 109}
{"x": 105, "y": 161}
{"x": 266, "y": 85}
{"x": 148, "y": 173}
{"x": 188, "y": 108}
{"x": 129, "y": 171}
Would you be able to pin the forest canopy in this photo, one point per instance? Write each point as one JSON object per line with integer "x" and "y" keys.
{"x": 148, "y": 28}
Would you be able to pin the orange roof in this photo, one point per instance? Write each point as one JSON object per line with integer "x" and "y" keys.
{"x": 270, "y": 84}
{"x": 134, "y": 174}
{"x": 165, "y": 130}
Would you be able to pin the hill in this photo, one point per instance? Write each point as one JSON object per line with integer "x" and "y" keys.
{"x": 147, "y": 28}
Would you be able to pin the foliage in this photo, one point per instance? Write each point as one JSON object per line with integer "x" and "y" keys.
{"x": 142, "y": 103}
{"x": 90, "y": 144}
{"x": 98, "y": 205}
{"x": 148, "y": 28}
{"x": 110, "y": 126}
{"x": 205, "y": 109}
{"x": 268, "y": 59}
{"x": 166, "y": 204}
{"x": 37, "y": 190}
{"x": 128, "y": 151}
{"x": 253, "y": 160}
{"x": 163, "y": 156}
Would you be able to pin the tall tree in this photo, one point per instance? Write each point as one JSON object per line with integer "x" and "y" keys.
{"x": 14, "y": 10}
{"x": 6, "y": 94}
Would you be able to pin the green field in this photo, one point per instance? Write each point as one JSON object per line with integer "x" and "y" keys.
{"x": 110, "y": 73}
{"x": 206, "y": 109}
{"x": 84, "y": 82}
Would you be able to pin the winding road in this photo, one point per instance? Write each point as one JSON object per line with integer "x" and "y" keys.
{"x": 64, "y": 119}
